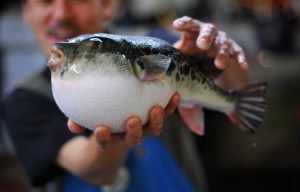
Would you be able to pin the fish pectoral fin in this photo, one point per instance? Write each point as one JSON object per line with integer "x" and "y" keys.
{"x": 193, "y": 117}
{"x": 151, "y": 67}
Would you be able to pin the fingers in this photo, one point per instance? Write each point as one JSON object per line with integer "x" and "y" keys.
{"x": 74, "y": 127}
{"x": 133, "y": 135}
{"x": 157, "y": 115}
{"x": 133, "y": 126}
{"x": 134, "y": 132}
{"x": 186, "y": 24}
{"x": 207, "y": 35}
{"x": 239, "y": 55}
{"x": 194, "y": 31}
{"x": 223, "y": 51}
{"x": 155, "y": 122}
{"x": 199, "y": 37}
{"x": 190, "y": 33}
{"x": 103, "y": 136}
{"x": 170, "y": 108}
{"x": 226, "y": 49}
{"x": 102, "y": 133}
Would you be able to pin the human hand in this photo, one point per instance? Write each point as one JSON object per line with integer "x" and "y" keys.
{"x": 133, "y": 125}
{"x": 198, "y": 37}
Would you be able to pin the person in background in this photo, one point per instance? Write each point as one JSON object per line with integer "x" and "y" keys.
{"x": 87, "y": 161}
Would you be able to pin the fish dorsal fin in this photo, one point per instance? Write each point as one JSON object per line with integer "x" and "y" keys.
{"x": 193, "y": 117}
{"x": 151, "y": 67}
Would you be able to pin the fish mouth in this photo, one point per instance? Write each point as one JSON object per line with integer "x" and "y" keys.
{"x": 56, "y": 59}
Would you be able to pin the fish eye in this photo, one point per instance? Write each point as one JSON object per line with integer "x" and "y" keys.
{"x": 96, "y": 42}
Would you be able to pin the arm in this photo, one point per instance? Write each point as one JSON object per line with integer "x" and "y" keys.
{"x": 82, "y": 156}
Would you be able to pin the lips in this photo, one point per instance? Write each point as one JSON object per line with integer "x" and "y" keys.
{"x": 62, "y": 31}
{"x": 58, "y": 37}
{"x": 63, "y": 35}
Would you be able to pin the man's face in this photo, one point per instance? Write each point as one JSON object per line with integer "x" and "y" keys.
{"x": 57, "y": 20}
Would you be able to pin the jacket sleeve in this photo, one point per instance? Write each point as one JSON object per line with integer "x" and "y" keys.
{"x": 38, "y": 130}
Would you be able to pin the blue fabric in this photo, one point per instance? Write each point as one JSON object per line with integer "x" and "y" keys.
{"x": 152, "y": 168}
{"x": 75, "y": 184}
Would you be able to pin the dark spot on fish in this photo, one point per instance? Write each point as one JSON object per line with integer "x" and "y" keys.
{"x": 89, "y": 56}
{"x": 64, "y": 69}
{"x": 193, "y": 75}
{"x": 169, "y": 73}
{"x": 181, "y": 70}
{"x": 177, "y": 77}
{"x": 186, "y": 70}
{"x": 172, "y": 66}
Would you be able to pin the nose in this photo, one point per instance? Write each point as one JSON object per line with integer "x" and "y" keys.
{"x": 56, "y": 59}
{"x": 62, "y": 9}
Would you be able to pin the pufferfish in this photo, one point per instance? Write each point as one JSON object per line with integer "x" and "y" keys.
{"x": 102, "y": 79}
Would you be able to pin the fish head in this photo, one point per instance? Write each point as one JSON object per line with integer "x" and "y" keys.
{"x": 75, "y": 55}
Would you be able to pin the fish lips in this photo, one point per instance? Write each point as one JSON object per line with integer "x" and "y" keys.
{"x": 57, "y": 57}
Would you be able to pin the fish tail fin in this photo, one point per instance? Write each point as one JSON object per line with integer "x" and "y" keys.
{"x": 251, "y": 105}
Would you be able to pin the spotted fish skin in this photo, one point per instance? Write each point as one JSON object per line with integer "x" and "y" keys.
{"x": 151, "y": 60}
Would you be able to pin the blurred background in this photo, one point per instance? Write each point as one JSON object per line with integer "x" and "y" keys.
{"x": 269, "y": 32}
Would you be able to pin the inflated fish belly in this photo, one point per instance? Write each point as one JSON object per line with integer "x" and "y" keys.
{"x": 102, "y": 79}
{"x": 108, "y": 99}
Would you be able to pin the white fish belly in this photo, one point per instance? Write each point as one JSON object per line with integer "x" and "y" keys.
{"x": 108, "y": 100}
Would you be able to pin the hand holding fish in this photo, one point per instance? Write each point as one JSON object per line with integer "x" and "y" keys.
{"x": 134, "y": 127}
{"x": 199, "y": 37}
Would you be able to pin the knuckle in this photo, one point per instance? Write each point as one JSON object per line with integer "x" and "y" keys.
{"x": 211, "y": 27}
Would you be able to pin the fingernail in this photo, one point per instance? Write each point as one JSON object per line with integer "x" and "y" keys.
{"x": 102, "y": 134}
{"x": 179, "y": 22}
{"x": 221, "y": 63}
{"x": 245, "y": 66}
{"x": 203, "y": 43}
{"x": 183, "y": 20}
{"x": 134, "y": 125}
{"x": 242, "y": 59}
